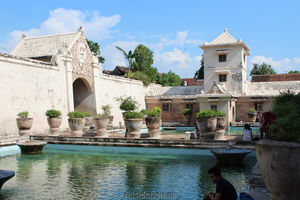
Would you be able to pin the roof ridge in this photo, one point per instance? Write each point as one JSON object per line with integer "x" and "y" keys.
{"x": 54, "y": 35}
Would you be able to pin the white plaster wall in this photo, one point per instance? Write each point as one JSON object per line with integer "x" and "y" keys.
{"x": 234, "y": 64}
{"x": 111, "y": 87}
{"x": 33, "y": 87}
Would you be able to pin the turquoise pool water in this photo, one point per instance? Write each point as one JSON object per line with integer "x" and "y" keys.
{"x": 232, "y": 130}
{"x": 95, "y": 172}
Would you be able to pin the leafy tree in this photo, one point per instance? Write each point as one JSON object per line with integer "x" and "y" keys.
{"x": 262, "y": 69}
{"x": 129, "y": 57}
{"x": 294, "y": 72}
{"x": 95, "y": 48}
{"x": 143, "y": 60}
{"x": 200, "y": 73}
{"x": 142, "y": 76}
{"x": 169, "y": 79}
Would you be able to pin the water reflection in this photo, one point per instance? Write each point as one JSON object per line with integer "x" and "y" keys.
{"x": 81, "y": 172}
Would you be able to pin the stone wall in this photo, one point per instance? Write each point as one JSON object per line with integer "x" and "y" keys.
{"x": 33, "y": 86}
{"x": 109, "y": 88}
{"x": 174, "y": 116}
{"x": 243, "y": 104}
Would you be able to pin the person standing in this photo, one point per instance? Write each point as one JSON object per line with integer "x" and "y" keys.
{"x": 247, "y": 133}
{"x": 224, "y": 189}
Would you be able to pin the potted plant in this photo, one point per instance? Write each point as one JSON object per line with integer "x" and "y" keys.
{"x": 206, "y": 121}
{"x": 24, "y": 123}
{"x": 134, "y": 122}
{"x": 102, "y": 121}
{"x": 187, "y": 115}
{"x": 221, "y": 125}
{"x": 54, "y": 120}
{"x": 278, "y": 156}
{"x": 153, "y": 123}
{"x": 144, "y": 113}
{"x": 76, "y": 122}
{"x": 127, "y": 104}
{"x": 88, "y": 121}
{"x": 252, "y": 114}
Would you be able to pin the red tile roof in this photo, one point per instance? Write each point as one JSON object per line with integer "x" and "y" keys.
{"x": 275, "y": 77}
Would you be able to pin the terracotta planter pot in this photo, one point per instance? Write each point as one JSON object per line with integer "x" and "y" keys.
{"x": 76, "y": 126}
{"x": 24, "y": 125}
{"x": 279, "y": 163}
{"x": 54, "y": 123}
{"x": 88, "y": 123}
{"x": 153, "y": 124}
{"x": 134, "y": 127}
{"x": 252, "y": 117}
{"x": 188, "y": 118}
{"x": 221, "y": 123}
{"x": 101, "y": 124}
{"x": 206, "y": 124}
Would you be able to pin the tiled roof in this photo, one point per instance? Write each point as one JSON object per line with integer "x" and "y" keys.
{"x": 275, "y": 77}
{"x": 43, "y": 45}
{"x": 272, "y": 88}
{"x": 225, "y": 37}
{"x": 175, "y": 91}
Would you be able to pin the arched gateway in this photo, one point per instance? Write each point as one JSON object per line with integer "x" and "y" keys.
{"x": 84, "y": 98}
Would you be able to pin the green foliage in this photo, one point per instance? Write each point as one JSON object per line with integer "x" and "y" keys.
{"x": 252, "y": 110}
{"x": 200, "y": 73}
{"x": 127, "y": 103}
{"x": 210, "y": 114}
{"x": 75, "y": 114}
{"x": 53, "y": 113}
{"x": 129, "y": 57}
{"x": 106, "y": 111}
{"x": 87, "y": 114}
{"x": 133, "y": 115}
{"x": 262, "y": 69}
{"x": 187, "y": 111}
{"x": 220, "y": 113}
{"x": 286, "y": 108}
{"x": 143, "y": 60}
{"x": 206, "y": 114}
{"x": 23, "y": 114}
{"x": 144, "y": 112}
{"x": 95, "y": 48}
{"x": 142, "y": 76}
{"x": 169, "y": 79}
{"x": 294, "y": 72}
{"x": 155, "y": 112}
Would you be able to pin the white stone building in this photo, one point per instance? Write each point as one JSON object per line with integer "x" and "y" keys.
{"x": 225, "y": 88}
{"x": 60, "y": 72}
{"x": 57, "y": 72}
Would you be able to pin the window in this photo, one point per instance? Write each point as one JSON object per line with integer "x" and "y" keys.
{"x": 166, "y": 107}
{"x": 222, "y": 58}
{"x": 222, "y": 78}
{"x": 258, "y": 106}
{"x": 189, "y": 106}
{"x": 213, "y": 107}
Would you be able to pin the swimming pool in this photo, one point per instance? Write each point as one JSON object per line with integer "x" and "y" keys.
{"x": 101, "y": 172}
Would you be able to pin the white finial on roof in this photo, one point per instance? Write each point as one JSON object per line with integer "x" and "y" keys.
{"x": 81, "y": 29}
{"x": 225, "y": 30}
{"x": 23, "y": 36}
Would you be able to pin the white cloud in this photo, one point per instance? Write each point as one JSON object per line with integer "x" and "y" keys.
{"x": 176, "y": 58}
{"x": 62, "y": 20}
{"x": 280, "y": 66}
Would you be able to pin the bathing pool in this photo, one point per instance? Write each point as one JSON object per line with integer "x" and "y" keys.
{"x": 97, "y": 172}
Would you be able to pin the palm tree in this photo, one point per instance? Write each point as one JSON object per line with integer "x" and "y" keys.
{"x": 129, "y": 56}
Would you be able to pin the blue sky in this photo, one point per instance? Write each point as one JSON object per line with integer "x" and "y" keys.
{"x": 172, "y": 29}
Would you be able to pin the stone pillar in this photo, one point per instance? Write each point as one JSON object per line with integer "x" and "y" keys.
{"x": 97, "y": 71}
{"x": 66, "y": 58}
